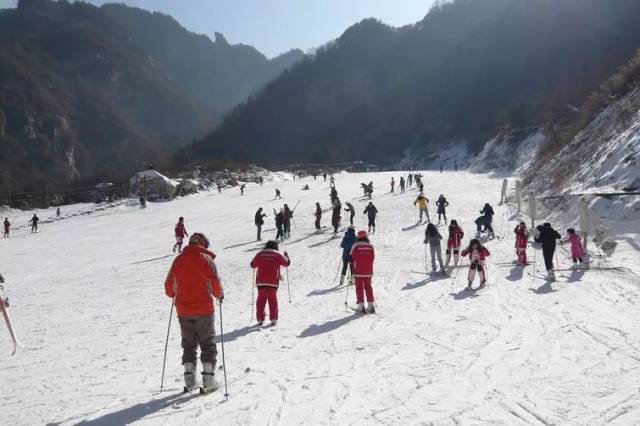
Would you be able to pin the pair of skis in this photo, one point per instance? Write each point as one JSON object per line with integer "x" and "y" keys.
{"x": 4, "y": 304}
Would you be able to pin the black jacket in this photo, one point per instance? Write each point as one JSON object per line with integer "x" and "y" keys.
{"x": 548, "y": 237}
{"x": 259, "y": 219}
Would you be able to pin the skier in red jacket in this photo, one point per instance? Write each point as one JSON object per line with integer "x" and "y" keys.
{"x": 362, "y": 257}
{"x": 268, "y": 262}
{"x": 180, "y": 232}
{"x": 477, "y": 254}
{"x": 454, "y": 242}
{"x": 522, "y": 238}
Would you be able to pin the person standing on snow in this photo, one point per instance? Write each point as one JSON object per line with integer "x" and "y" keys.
{"x": 477, "y": 254}
{"x": 261, "y": 181}
{"x": 352, "y": 212}
{"x": 422, "y": 203}
{"x": 433, "y": 237}
{"x": 372, "y": 212}
{"x": 193, "y": 283}
{"x": 288, "y": 215}
{"x": 332, "y": 181}
{"x": 454, "y": 242}
{"x": 393, "y": 185}
{"x": 335, "y": 215}
{"x": 522, "y": 239}
{"x": 279, "y": 216}
{"x": 259, "y": 221}
{"x": 7, "y": 227}
{"x": 362, "y": 257}
{"x": 577, "y": 251}
{"x": 402, "y": 183}
{"x": 278, "y": 196}
{"x": 548, "y": 238}
{"x": 347, "y": 242}
{"x": 442, "y": 204}
{"x": 410, "y": 179}
{"x": 268, "y": 262}
{"x": 318, "y": 215}
{"x": 180, "y": 232}
{"x": 34, "y": 223}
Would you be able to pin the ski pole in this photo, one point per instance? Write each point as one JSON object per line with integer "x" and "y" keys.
{"x": 288, "y": 285}
{"x": 253, "y": 289}
{"x": 426, "y": 268}
{"x": 337, "y": 271}
{"x": 224, "y": 363}
{"x": 166, "y": 343}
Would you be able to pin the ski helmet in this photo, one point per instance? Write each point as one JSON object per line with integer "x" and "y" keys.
{"x": 199, "y": 239}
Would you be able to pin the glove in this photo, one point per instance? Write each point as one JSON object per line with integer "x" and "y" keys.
{"x": 286, "y": 255}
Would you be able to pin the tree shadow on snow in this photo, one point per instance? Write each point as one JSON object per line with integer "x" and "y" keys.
{"x": 516, "y": 274}
{"x": 139, "y": 411}
{"x": 240, "y": 332}
{"x": 327, "y": 327}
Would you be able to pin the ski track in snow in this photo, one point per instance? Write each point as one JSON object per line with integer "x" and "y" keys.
{"x": 88, "y": 303}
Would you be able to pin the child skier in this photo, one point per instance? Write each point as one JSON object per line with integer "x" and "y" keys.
{"x": 454, "y": 242}
{"x": 351, "y": 211}
{"x": 522, "y": 239}
{"x": 477, "y": 254}
{"x": 268, "y": 262}
{"x": 577, "y": 251}
{"x": 193, "y": 282}
{"x": 347, "y": 242}
{"x": 423, "y": 204}
{"x": 180, "y": 232}
{"x": 362, "y": 257}
{"x": 371, "y": 211}
{"x": 7, "y": 227}
{"x": 442, "y": 204}
{"x": 433, "y": 237}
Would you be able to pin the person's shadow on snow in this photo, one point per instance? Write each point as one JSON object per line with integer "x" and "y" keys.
{"x": 326, "y": 327}
{"x": 576, "y": 276}
{"x": 464, "y": 294}
{"x": 516, "y": 274}
{"x": 544, "y": 289}
{"x": 240, "y": 332}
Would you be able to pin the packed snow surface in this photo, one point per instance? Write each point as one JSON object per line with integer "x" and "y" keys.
{"x": 87, "y": 301}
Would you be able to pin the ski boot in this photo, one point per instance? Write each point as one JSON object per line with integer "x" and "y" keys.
{"x": 274, "y": 323}
{"x": 469, "y": 288}
{"x": 483, "y": 284}
{"x": 371, "y": 308}
{"x": 209, "y": 383}
{"x": 360, "y": 308}
{"x": 189, "y": 377}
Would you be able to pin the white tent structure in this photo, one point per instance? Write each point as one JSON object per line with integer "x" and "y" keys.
{"x": 153, "y": 185}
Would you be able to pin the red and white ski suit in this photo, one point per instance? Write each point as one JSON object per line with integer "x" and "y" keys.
{"x": 268, "y": 263}
{"x": 476, "y": 262}
{"x": 363, "y": 255}
{"x": 522, "y": 239}
{"x": 453, "y": 244}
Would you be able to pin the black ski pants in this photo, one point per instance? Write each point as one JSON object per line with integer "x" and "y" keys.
{"x": 547, "y": 254}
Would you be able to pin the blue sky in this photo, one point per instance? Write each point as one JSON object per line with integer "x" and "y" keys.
{"x": 275, "y": 26}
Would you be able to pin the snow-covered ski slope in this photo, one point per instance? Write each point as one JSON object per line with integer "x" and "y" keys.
{"x": 88, "y": 303}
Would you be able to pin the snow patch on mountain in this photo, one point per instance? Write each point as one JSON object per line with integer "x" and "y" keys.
{"x": 507, "y": 153}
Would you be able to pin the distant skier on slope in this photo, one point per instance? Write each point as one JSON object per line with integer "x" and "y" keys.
{"x": 363, "y": 255}
{"x": 279, "y": 217}
{"x": 522, "y": 239}
{"x": 336, "y": 215}
{"x": 288, "y": 215}
{"x": 393, "y": 185}
{"x": 454, "y": 242}
{"x": 347, "y": 242}
{"x": 422, "y": 203}
{"x": 410, "y": 179}
{"x": 34, "y": 223}
{"x": 477, "y": 254}
{"x": 333, "y": 194}
{"x": 577, "y": 250}
{"x": 402, "y": 184}
{"x": 332, "y": 181}
{"x": 7, "y": 227}
{"x": 268, "y": 262}
{"x": 485, "y": 225}
{"x": 318, "y": 215}
{"x": 372, "y": 212}
{"x": 352, "y": 212}
{"x": 193, "y": 282}
{"x": 180, "y": 232}
{"x": 433, "y": 237}
{"x": 548, "y": 238}
{"x": 259, "y": 221}
{"x": 278, "y": 195}
{"x": 242, "y": 188}
{"x": 442, "y": 204}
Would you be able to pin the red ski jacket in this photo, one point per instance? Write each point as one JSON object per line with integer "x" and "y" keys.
{"x": 522, "y": 236}
{"x": 362, "y": 255}
{"x": 268, "y": 263}
{"x": 180, "y": 231}
{"x": 455, "y": 238}
{"x": 479, "y": 255}
{"x": 193, "y": 281}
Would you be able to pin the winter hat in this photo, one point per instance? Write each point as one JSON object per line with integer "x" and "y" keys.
{"x": 271, "y": 245}
{"x": 199, "y": 239}
{"x": 362, "y": 234}
{"x": 180, "y": 219}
